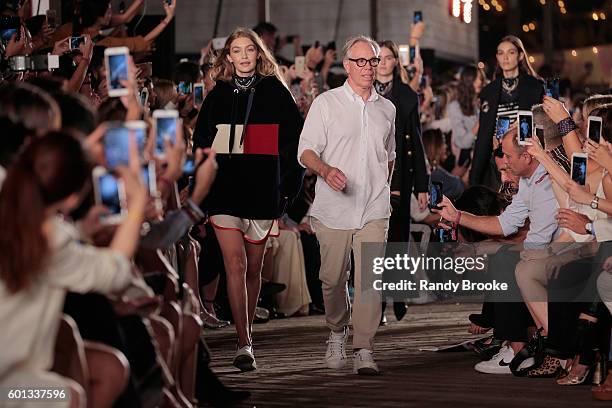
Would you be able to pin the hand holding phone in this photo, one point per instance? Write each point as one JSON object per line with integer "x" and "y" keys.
{"x": 435, "y": 195}
{"x": 166, "y": 124}
{"x": 117, "y": 70}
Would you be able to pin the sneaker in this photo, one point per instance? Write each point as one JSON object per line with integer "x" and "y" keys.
{"x": 335, "y": 357}
{"x": 498, "y": 364}
{"x": 245, "y": 359}
{"x": 364, "y": 364}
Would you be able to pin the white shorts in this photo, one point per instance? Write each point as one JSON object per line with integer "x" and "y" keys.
{"x": 253, "y": 231}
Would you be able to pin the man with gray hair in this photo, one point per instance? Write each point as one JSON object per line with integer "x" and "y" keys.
{"x": 348, "y": 140}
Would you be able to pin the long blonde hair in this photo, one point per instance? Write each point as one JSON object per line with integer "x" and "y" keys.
{"x": 266, "y": 63}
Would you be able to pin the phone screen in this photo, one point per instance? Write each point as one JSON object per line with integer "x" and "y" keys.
{"x": 75, "y": 42}
{"x": 418, "y": 17}
{"x": 118, "y": 66}
{"x": 166, "y": 129}
{"x": 525, "y": 127}
{"x": 198, "y": 94}
{"x": 412, "y": 55}
{"x": 552, "y": 88}
{"x": 109, "y": 193}
{"x": 7, "y": 34}
{"x": 144, "y": 96}
{"x": 189, "y": 167}
{"x": 579, "y": 169}
{"x": 117, "y": 146}
{"x": 503, "y": 124}
{"x": 435, "y": 195}
{"x": 595, "y": 130}
{"x": 184, "y": 88}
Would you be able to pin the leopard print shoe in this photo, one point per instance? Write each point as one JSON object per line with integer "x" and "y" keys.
{"x": 550, "y": 368}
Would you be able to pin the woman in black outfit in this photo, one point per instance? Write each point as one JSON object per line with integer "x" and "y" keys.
{"x": 251, "y": 120}
{"x": 515, "y": 87}
{"x": 410, "y": 169}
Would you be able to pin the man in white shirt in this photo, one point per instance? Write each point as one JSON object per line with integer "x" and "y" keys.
{"x": 348, "y": 140}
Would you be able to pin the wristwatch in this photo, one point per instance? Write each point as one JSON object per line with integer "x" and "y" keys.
{"x": 589, "y": 228}
{"x": 595, "y": 203}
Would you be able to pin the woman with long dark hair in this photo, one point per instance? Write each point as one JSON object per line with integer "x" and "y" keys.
{"x": 410, "y": 171}
{"x": 251, "y": 120}
{"x": 515, "y": 87}
{"x": 463, "y": 114}
{"x": 42, "y": 258}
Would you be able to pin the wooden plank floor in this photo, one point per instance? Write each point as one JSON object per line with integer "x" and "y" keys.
{"x": 291, "y": 371}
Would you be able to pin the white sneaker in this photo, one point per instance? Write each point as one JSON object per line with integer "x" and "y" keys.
{"x": 498, "y": 364}
{"x": 364, "y": 363}
{"x": 335, "y": 357}
{"x": 245, "y": 359}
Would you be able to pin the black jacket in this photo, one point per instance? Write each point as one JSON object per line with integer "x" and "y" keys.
{"x": 259, "y": 179}
{"x": 410, "y": 164}
{"x": 530, "y": 92}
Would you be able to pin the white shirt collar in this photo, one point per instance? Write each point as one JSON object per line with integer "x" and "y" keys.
{"x": 352, "y": 94}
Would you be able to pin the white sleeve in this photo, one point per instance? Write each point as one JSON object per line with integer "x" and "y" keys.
{"x": 314, "y": 132}
{"x": 83, "y": 268}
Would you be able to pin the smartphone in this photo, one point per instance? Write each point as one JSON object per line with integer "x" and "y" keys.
{"x": 51, "y": 18}
{"x": 594, "y": 128}
{"x": 166, "y": 122}
{"x": 435, "y": 195}
{"x": 412, "y": 55}
{"x": 418, "y": 17}
{"x": 117, "y": 142}
{"x": 184, "y": 88}
{"x": 503, "y": 124}
{"x": 552, "y": 88}
{"x": 139, "y": 129}
{"x": 525, "y": 123}
{"x": 75, "y": 42}
{"x": 300, "y": 65}
{"x": 445, "y": 235}
{"x": 144, "y": 96}
{"x": 9, "y": 26}
{"x": 109, "y": 192}
{"x": 149, "y": 178}
{"x": 198, "y": 93}
{"x": 539, "y": 132}
{"x": 423, "y": 83}
{"x": 404, "y": 54}
{"x": 218, "y": 43}
{"x": 116, "y": 145}
{"x": 189, "y": 167}
{"x": 579, "y": 168}
{"x": 116, "y": 61}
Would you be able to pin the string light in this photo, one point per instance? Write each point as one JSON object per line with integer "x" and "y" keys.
{"x": 525, "y": 28}
{"x": 532, "y": 26}
{"x": 467, "y": 11}
{"x": 574, "y": 53}
{"x": 602, "y": 16}
{"x": 531, "y": 59}
{"x": 595, "y": 16}
{"x": 561, "y": 4}
{"x": 543, "y": 2}
{"x": 563, "y": 11}
{"x": 595, "y": 50}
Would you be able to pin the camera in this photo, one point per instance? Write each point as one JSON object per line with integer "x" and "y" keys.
{"x": 23, "y": 63}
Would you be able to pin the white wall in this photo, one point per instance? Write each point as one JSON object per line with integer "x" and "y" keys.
{"x": 315, "y": 19}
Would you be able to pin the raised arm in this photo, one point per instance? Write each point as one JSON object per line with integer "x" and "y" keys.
{"x": 128, "y": 15}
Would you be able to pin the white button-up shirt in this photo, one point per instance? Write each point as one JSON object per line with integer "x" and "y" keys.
{"x": 358, "y": 138}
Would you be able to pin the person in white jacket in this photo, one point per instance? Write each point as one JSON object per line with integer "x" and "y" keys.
{"x": 42, "y": 259}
